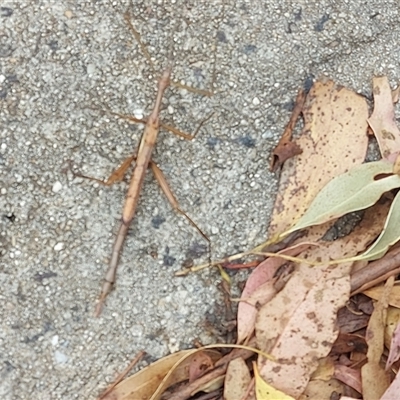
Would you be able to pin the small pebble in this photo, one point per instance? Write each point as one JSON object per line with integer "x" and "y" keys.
{"x": 57, "y": 187}
{"x": 54, "y": 340}
{"x": 138, "y": 113}
{"x": 60, "y": 358}
{"x": 256, "y": 101}
{"x": 59, "y": 246}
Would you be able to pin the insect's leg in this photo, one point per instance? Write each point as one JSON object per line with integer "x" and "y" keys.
{"x": 171, "y": 198}
{"x": 116, "y": 176}
{"x": 185, "y": 135}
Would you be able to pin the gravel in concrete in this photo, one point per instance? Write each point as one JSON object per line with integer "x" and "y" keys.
{"x": 60, "y": 63}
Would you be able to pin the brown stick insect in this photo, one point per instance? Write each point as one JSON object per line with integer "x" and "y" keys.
{"x": 143, "y": 161}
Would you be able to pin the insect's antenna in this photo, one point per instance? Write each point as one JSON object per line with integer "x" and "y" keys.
{"x": 170, "y": 53}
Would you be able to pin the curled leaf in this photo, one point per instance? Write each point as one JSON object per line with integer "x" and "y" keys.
{"x": 389, "y": 236}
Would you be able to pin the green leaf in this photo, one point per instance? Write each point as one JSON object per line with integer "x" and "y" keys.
{"x": 355, "y": 190}
{"x": 389, "y": 236}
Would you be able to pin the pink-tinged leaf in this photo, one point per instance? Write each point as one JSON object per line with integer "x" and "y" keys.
{"x": 394, "y": 353}
{"x": 351, "y": 377}
{"x": 199, "y": 365}
{"x": 298, "y": 326}
{"x": 262, "y": 275}
{"x": 382, "y": 120}
{"x": 237, "y": 380}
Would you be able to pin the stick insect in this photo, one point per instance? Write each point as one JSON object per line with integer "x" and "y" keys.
{"x": 143, "y": 161}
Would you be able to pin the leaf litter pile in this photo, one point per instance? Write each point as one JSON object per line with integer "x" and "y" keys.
{"x": 318, "y": 318}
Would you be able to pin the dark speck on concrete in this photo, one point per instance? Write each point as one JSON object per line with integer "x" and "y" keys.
{"x": 249, "y": 48}
{"x": 289, "y": 105}
{"x": 6, "y": 11}
{"x": 319, "y": 26}
{"x": 246, "y": 141}
{"x": 212, "y": 142}
{"x": 221, "y": 37}
{"x": 157, "y": 221}
{"x": 168, "y": 260}
{"x": 53, "y": 44}
{"x": 196, "y": 250}
{"x": 297, "y": 14}
{"x": 44, "y": 275}
{"x": 11, "y": 217}
{"x": 9, "y": 366}
{"x": 308, "y": 82}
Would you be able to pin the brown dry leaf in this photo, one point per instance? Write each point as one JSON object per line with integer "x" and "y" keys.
{"x": 376, "y": 293}
{"x": 298, "y": 326}
{"x": 287, "y": 148}
{"x": 349, "y": 342}
{"x": 351, "y": 377}
{"x": 325, "y": 370}
{"x": 396, "y": 165}
{"x": 199, "y": 365}
{"x": 237, "y": 379}
{"x": 375, "y": 380}
{"x": 322, "y": 390}
{"x": 382, "y": 120}
{"x": 262, "y": 276}
{"x": 143, "y": 384}
{"x": 392, "y": 320}
{"x": 334, "y": 139}
{"x": 392, "y": 393}
{"x": 394, "y": 352}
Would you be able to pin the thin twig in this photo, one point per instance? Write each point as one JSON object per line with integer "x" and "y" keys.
{"x": 122, "y": 374}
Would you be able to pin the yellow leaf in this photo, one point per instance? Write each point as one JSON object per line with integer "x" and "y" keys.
{"x": 265, "y": 391}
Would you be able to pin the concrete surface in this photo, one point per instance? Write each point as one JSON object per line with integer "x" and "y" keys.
{"x": 58, "y": 60}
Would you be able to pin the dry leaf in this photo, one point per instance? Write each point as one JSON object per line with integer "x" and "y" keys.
{"x": 392, "y": 393}
{"x": 287, "y": 148}
{"x": 396, "y": 165}
{"x": 382, "y": 120}
{"x": 237, "y": 379}
{"x": 260, "y": 276}
{"x": 264, "y": 391}
{"x": 298, "y": 326}
{"x": 392, "y": 320}
{"x": 334, "y": 139}
{"x": 394, "y": 353}
{"x": 351, "y": 377}
{"x": 375, "y": 380}
{"x": 376, "y": 293}
{"x": 144, "y": 383}
{"x": 321, "y": 390}
{"x": 199, "y": 365}
{"x": 325, "y": 369}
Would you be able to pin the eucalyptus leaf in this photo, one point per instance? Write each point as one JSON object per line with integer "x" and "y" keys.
{"x": 389, "y": 236}
{"x": 357, "y": 189}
